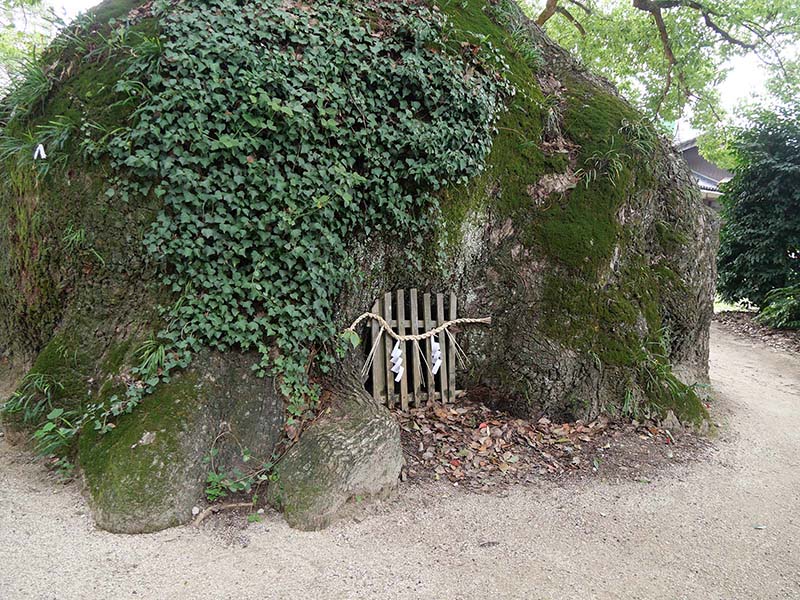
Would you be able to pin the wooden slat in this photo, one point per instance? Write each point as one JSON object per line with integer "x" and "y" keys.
{"x": 401, "y": 329}
{"x": 378, "y": 361}
{"x": 416, "y": 371}
{"x": 451, "y": 355}
{"x": 441, "y": 338}
{"x": 387, "y": 344}
{"x": 429, "y": 377}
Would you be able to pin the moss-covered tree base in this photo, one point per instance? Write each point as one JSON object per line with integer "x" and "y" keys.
{"x": 149, "y": 471}
{"x": 583, "y": 239}
{"x": 586, "y": 243}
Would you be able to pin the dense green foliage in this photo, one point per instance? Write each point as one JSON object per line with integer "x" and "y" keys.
{"x": 782, "y": 308}
{"x": 280, "y": 133}
{"x": 345, "y": 128}
{"x": 760, "y": 238}
{"x": 15, "y": 43}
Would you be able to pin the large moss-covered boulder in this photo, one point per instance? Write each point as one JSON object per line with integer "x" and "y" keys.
{"x": 584, "y": 239}
{"x": 229, "y": 184}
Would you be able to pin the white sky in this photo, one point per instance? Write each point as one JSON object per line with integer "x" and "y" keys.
{"x": 70, "y": 8}
{"x": 747, "y": 76}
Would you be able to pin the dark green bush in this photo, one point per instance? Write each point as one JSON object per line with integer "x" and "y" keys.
{"x": 277, "y": 134}
{"x": 782, "y": 309}
{"x": 760, "y": 238}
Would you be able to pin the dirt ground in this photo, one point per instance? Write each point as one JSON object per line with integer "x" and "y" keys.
{"x": 726, "y": 526}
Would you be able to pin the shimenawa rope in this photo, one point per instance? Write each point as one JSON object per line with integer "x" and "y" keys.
{"x": 419, "y": 336}
{"x": 385, "y": 327}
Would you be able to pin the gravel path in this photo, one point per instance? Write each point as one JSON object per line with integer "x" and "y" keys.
{"x": 725, "y": 527}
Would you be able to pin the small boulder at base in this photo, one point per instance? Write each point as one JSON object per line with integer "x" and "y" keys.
{"x": 352, "y": 450}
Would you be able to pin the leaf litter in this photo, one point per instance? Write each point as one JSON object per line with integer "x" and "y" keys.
{"x": 474, "y": 446}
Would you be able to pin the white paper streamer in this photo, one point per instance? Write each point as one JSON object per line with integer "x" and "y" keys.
{"x": 436, "y": 356}
{"x": 397, "y": 362}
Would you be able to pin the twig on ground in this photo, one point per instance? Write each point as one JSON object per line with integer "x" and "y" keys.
{"x": 218, "y": 508}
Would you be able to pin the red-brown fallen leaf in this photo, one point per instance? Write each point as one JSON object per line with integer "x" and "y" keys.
{"x": 291, "y": 431}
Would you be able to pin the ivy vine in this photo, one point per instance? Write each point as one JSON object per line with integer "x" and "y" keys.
{"x": 279, "y": 133}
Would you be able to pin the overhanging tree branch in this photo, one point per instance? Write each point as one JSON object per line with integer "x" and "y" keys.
{"x": 654, "y": 9}
{"x": 757, "y": 31}
{"x": 582, "y": 6}
{"x": 552, "y": 7}
{"x": 707, "y": 13}
{"x": 549, "y": 11}
{"x": 732, "y": 27}
{"x": 568, "y": 15}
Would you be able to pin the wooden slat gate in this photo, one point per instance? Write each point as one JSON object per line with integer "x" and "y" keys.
{"x": 407, "y": 315}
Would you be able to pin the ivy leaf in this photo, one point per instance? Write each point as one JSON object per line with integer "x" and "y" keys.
{"x": 351, "y": 337}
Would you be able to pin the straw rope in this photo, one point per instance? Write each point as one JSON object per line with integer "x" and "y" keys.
{"x": 419, "y": 336}
{"x": 385, "y": 327}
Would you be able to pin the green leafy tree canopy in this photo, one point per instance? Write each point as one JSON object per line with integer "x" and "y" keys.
{"x": 666, "y": 55}
{"x": 24, "y": 25}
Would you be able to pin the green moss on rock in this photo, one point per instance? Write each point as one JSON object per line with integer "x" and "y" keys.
{"x": 113, "y": 9}
{"x": 136, "y": 474}
{"x": 62, "y": 232}
{"x": 587, "y": 260}
{"x": 148, "y": 471}
{"x": 516, "y": 160}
